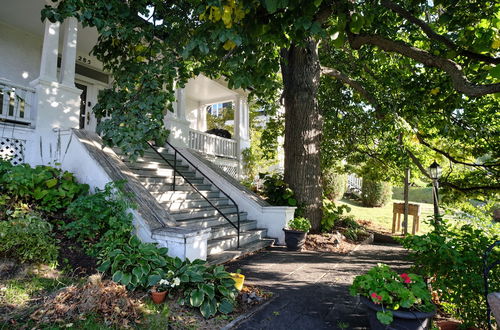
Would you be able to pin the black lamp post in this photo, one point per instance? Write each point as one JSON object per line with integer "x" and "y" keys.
{"x": 435, "y": 173}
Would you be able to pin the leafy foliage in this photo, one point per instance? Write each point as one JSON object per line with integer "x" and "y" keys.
{"x": 331, "y": 214}
{"x": 211, "y": 289}
{"x": 451, "y": 258}
{"x": 300, "y": 224}
{"x": 384, "y": 286}
{"x": 277, "y": 191}
{"x": 334, "y": 184}
{"x": 27, "y": 238}
{"x": 44, "y": 188}
{"x": 375, "y": 193}
{"x": 94, "y": 215}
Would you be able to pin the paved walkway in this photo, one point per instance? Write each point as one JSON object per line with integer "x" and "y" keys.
{"x": 313, "y": 287}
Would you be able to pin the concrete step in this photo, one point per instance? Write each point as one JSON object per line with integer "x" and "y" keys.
{"x": 220, "y": 244}
{"x": 202, "y": 212}
{"x": 179, "y": 205}
{"x": 206, "y": 222}
{"x": 163, "y": 172}
{"x": 165, "y": 195}
{"x": 153, "y": 178}
{"x": 161, "y": 186}
{"x": 229, "y": 255}
{"x": 228, "y": 230}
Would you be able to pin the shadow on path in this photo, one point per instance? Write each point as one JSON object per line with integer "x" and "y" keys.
{"x": 313, "y": 287}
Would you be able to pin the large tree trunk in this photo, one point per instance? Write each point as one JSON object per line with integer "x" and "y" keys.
{"x": 303, "y": 125}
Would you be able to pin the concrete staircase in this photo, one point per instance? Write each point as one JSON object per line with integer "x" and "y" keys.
{"x": 189, "y": 208}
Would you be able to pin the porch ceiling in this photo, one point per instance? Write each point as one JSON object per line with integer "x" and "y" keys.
{"x": 26, "y": 15}
{"x": 207, "y": 91}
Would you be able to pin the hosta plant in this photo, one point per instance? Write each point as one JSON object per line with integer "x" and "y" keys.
{"x": 392, "y": 291}
{"x": 300, "y": 224}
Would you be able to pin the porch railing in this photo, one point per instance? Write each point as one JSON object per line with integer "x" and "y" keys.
{"x": 212, "y": 144}
{"x": 16, "y": 103}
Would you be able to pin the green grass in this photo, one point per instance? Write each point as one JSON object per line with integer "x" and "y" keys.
{"x": 381, "y": 217}
{"x": 416, "y": 194}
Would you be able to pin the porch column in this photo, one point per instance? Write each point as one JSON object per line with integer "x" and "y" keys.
{"x": 201, "y": 117}
{"x": 177, "y": 123}
{"x": 241, "y": 122}
{"x": 50, "y": 50}
{"x": 181, "y": 104}
{"x": 69, "y": 52}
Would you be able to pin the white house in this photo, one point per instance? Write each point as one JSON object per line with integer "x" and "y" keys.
{"x": 48, "y": 87}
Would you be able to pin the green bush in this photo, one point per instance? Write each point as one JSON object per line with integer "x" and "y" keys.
{"x": 27, "y": 238}
{"x": 331, "y": 214}
{"x": 300, "y": 224}
{"x": 375, "y": 193}
{"x": 276, "y": 191}
{"x": 451, "y": 258}
{"x": 211, "y": 289}
{"x": 94, "y": 215}
{"x": 44, "y": 188}
{"x": 334, "y": 184}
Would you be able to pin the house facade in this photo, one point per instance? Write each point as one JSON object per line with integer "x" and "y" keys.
{"x": 49, "y": 84}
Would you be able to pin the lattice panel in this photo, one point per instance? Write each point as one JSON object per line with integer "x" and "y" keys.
{"x": 12, "y": 149}
{"x": 231, "y": 170}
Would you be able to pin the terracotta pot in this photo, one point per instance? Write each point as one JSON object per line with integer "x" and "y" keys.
{"x": 158, "y": 297}
{"x": 451, "y": 325}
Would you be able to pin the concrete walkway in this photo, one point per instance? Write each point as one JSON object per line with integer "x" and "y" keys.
{"x": 313, "y": 287}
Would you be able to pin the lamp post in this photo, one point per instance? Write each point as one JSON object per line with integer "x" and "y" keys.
{"x": 435, "y": 173}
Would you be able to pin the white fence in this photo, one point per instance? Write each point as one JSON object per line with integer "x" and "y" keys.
{"x": 354, "y": 184}
{"x": 212, "y": 144}
{"x": 16, "y": 103}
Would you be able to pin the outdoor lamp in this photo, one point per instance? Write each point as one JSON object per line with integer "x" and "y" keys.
{"x": 435, "y": 171}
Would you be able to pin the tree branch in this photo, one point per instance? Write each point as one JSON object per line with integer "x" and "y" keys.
{"x": 454, "y": 71}
{"x": 450, "y": 157}
{"x": 438, "y": 37}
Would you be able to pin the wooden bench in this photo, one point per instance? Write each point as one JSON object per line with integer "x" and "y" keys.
{"x": 398, "y": 209}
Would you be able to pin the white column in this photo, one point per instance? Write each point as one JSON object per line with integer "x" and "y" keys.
{"x": 50, "y": 50}
{"x": 181, "y": 104}
{"x": 201, "y": 124}
{"x": 237, "y": 119}
{"x": 69, "y": 52}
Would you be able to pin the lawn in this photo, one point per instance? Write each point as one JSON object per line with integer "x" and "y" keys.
{"x": 381, "y": 217}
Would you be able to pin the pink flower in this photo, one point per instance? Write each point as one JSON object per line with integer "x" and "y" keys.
{"x": 374, "y": 296}
{"x": 405, "y": 277}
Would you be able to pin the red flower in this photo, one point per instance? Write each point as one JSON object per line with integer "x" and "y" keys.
{"x": 374, "y": 295}
{"x": 405, "y": 277}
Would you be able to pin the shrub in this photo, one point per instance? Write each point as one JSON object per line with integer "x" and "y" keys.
{"x": 375, "y": 193}
{"x": 300, "y": 224}
{"x": 331, "y": 214}
{"x": 276, "y": 191}
{"x": 27, "y": 238}
{"x": 98, "y": 213}
{"x": 135, "y": 264}
{"x": 211, "y": 289}
{"x": 451, "y": 258}
{"x": 45, "y": 188}
{"x": 334, "y": 184}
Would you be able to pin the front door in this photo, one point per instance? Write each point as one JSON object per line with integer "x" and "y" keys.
{"x": 83, "y": 106}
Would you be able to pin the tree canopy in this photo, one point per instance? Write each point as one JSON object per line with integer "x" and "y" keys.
{"x": 424, "y": 71}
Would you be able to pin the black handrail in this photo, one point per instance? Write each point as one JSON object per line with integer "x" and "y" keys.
{"x": 487, "y": 267}
{"x": 176, "y": 152}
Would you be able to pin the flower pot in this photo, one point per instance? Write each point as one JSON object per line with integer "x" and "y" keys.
{"x": 294, "y": 239}
{"x": 238, "y": 280}
{"x": 158, "y": 297}
{"x": 403, "y": 319}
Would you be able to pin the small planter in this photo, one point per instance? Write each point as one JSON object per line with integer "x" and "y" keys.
{"x": 294, "y": 239}
{"x": 158, "y": 297}
{"x": 238, "y": 280}
{"x": 408, "y": 320}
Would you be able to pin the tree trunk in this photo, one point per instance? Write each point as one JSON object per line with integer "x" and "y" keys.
{"x": 303, "y": 125}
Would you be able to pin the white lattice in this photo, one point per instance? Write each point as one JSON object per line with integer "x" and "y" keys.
{"x": 231, "y": 170}
{"x": 12, "y": 149}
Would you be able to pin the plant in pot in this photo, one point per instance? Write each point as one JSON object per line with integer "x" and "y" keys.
{"x": 160, "y": 290}
{"x": 394, "y": 301}
{"x": 295, "y": 234}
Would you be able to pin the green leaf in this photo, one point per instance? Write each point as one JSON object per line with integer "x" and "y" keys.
{"x": 208, "y": 308}
{"x": 125, "y": 280}
{"x": 196, "y": 298}
{"x": 385, "y": 317}
{"x": 495, "y": 72}
{"x": 104, "y": 266}
{"x": 51, "y": 183}
{"x": 225, "y": 306}
{"x": 137, "y": 271}
{"x": 117, "y": 276}
{"x": 209, "y": 290}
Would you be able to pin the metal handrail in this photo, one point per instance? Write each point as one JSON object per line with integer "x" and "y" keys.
{"x": 176, "y": 152}
{"x": 487, "y": 267}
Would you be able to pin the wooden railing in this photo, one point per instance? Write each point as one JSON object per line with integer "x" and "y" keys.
{"x": 16, "y": 103}
{"x": 212, "y": 144}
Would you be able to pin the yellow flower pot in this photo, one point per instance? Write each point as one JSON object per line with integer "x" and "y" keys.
{"x": 238, "y": 279}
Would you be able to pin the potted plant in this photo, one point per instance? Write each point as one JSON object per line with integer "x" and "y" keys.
{"x": 394, "y": 301}
{"x": 295, "y": 235}
{"x": 160, "y": 290}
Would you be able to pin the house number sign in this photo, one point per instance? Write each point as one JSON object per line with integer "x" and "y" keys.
{"x": 84, "y": 60}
